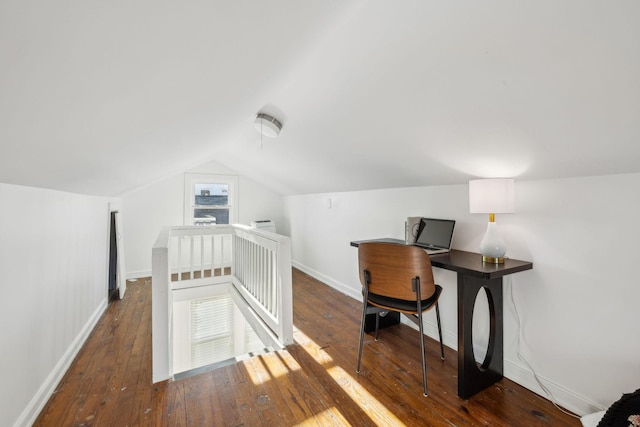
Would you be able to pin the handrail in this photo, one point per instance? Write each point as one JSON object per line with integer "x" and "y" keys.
{"x": 262, "y": 275}
{"x": 256, "y": 263}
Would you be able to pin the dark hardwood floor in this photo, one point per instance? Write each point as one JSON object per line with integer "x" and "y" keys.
{"x": 313, "y": 382}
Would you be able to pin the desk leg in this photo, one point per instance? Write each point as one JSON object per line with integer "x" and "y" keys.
{"x": 471, "y": 377}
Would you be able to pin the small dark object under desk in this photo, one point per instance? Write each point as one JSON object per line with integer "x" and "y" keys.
{"x": 389, "y": 319}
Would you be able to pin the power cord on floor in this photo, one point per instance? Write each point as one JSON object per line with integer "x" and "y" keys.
{"x": 527, "y": 364}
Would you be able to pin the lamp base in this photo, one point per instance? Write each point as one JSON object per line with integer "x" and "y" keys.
{"x": 492, "y": 246}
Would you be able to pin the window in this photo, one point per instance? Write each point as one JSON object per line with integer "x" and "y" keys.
{"x": 210, "y": 199}
{"x": 211, "y": 330}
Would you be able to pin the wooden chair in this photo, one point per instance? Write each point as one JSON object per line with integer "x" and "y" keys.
{"x": 397, "y": 278}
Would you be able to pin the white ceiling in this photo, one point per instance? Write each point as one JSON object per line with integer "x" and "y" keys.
{"x": 101, "y": 97}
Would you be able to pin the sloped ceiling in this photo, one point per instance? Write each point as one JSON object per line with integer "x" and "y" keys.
{"x": 104, "y": 97}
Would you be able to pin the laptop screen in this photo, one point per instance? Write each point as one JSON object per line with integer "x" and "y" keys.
{"x": 435, "y": 233}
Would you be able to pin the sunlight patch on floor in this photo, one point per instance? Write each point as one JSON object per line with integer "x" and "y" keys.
{"x": 266, "y": 367}
{"x": 316, "y": 351}
{"x": 375, "y": 410}
{"x": 331, "y": 417}
{"x": 288, "y": 361}
{"x": 378, "y": 413}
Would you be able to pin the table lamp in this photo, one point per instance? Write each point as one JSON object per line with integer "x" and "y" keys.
{"x": 492, "y": 196}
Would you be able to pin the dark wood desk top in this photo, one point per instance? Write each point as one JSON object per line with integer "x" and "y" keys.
{"x": 468, "y": 263}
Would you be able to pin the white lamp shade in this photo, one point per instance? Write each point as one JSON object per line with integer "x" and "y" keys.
{"x": 493, "y": 195}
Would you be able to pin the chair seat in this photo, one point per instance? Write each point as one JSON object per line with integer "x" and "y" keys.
{"x": 404, "y": 305}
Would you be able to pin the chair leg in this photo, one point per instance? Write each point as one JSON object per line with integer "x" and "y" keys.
{"x": 424, "y": 363}
{"x": 364, "y": 315}
{"x": 377, "y": 324}
{"x": 439, "y": 331}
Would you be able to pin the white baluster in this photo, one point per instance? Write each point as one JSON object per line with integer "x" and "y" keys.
{"x": 201, "y": 256}
{"x": 179, "y": 258}
{"x": 190, "y": 257}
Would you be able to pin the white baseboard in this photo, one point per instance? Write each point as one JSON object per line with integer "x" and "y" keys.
{"x": 347, "y": 290}
{"x": 567, "y": 399}
{"x": 31, "y": 412}
{"x": 138, "y": 274}
{"x": 513, "y": 370}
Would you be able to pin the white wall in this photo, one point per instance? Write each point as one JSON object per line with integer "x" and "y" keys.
{"x": 148, "y": 210}
{"x": 53, "y": 264}
{"x": 579, "y": 304}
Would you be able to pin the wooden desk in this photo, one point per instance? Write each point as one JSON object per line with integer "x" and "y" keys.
{"x": 474, "y": 275}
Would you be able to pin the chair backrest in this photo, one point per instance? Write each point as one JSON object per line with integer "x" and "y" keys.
{"x": 392, "y": 269}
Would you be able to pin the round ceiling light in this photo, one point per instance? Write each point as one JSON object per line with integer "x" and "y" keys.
{"x": 267, "y": 125}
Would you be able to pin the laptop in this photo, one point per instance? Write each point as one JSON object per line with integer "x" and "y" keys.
{"x": 435, "y": 235}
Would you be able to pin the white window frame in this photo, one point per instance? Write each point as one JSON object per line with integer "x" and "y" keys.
{"x": 190, "y": 181}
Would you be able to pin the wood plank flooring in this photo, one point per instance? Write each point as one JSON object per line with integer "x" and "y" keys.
{"x": 313, "y": 382}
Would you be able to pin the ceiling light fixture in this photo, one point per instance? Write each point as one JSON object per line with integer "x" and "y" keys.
{"x": 267, "y": 125}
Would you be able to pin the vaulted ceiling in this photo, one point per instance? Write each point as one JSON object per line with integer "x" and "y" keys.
{"x": 105, "y": 97}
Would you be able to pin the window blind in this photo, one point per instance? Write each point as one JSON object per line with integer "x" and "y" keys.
{"x": 211, "y": 330}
